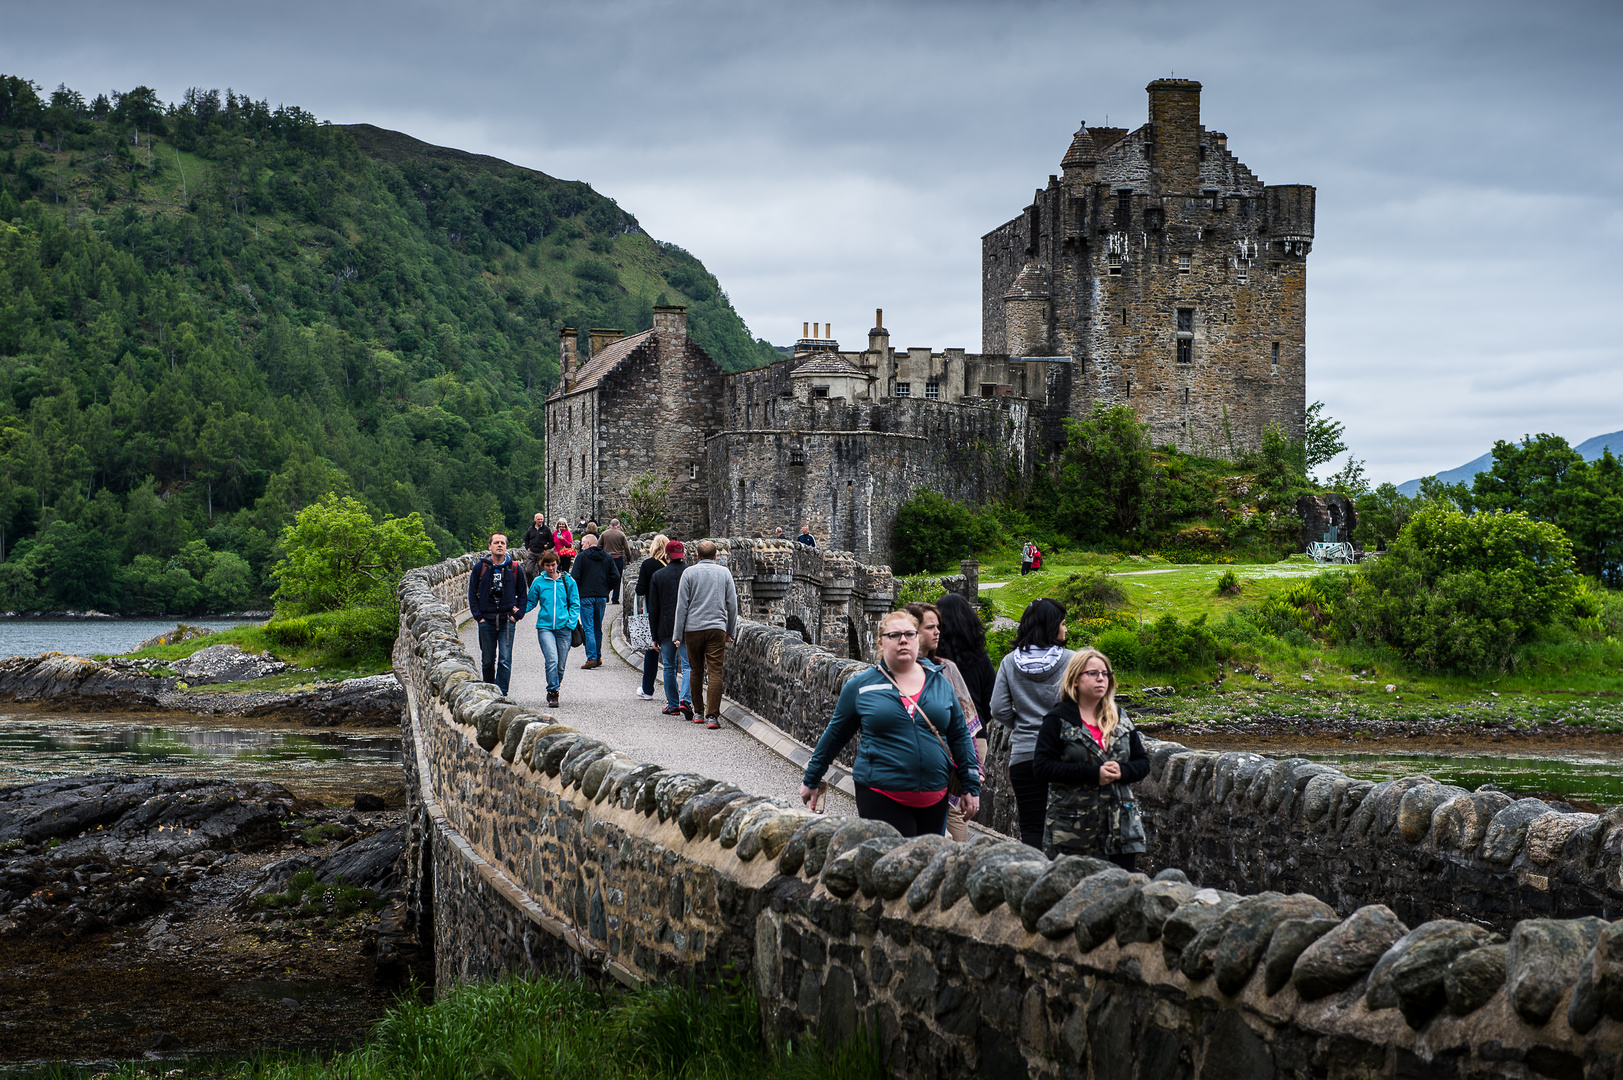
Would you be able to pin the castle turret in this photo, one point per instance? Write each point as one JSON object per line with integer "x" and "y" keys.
{"x": 1175, "y": 128}
{"x": 1028, "y": 312}
{"x": 1083, "y": 155}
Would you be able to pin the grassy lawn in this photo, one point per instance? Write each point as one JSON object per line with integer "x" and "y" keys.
{"x": 1564, "y": 680}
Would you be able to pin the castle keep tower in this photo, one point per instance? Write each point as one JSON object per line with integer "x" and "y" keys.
{"x": 1173, "y": 278}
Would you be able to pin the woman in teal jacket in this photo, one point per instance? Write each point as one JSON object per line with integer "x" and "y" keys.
{"x": 914, "y": 737}
{"x": 555, "y": 599}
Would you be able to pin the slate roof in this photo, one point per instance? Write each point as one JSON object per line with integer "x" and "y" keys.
{"x": 607, "y": 359}
{"x": 828, "y": 363}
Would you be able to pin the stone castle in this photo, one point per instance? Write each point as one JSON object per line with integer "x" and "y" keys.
{"x": 1154, "y": 271}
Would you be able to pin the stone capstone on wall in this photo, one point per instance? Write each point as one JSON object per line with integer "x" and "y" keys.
{"x": 535, "y": 846}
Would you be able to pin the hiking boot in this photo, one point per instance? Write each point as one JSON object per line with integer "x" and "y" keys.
{"x": 686, "y": 709}
{"x": 552, "y": 699}
{"x": 712, "y": 722}
{"x": 591, "y": 664}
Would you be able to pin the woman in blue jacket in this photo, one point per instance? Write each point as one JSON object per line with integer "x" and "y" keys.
{"x": 555, "y": 599}
{"x": 914, "y": 737}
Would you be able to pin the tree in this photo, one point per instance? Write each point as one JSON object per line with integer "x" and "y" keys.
{"x": 648, "y": 505}
{"x": 930, "y": 532}
{"x": 1462, "y": 593}
{"x": 337, "y": 556}
{"x": 1106, "y": 475}
{"x": 1550, "y": 481}
{"x": 1321, "y": 439}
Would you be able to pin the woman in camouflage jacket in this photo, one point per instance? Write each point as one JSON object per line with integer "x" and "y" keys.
{"x": 1090, "y": 753}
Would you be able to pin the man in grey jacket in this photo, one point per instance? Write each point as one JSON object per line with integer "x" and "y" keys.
{"x": 706, "y": 618}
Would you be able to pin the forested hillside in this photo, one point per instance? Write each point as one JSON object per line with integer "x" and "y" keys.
{"x": 213, "y": 312}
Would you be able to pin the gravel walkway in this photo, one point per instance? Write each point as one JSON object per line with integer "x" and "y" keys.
{"x": 604, "y": 703}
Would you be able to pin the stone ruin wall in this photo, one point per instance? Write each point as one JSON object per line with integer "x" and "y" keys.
{"x": 537, "y": 847}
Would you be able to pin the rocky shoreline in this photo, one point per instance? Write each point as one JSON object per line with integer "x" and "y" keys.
{"x": 166, "y": 916}
{"x": 60, "y": 680}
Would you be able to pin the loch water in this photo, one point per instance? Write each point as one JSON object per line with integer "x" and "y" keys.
{"x": 89, "y": 637}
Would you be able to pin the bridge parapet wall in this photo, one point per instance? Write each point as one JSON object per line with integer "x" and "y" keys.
{"x": 538, "y": 847}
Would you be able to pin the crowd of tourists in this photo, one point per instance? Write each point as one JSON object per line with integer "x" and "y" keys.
{"x": 920, "y": 710}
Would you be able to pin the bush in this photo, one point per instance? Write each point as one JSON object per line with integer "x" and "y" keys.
{"x": 1168, "y": 645}
{"x": 362, "y": 635}
{"x": 1228, "y": 583}
{"x": 1459, "y": 593}
{"x": 1090, "y": 594}
{"x": 931, "y": 532}
{"x": 1120, "y": 644}
{"x": 998, "y": 644}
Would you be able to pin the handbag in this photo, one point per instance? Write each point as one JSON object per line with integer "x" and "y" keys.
{"x": 638, "y": 633}
{"x": 955, "y": 783}
{"x": 577, "y": 636}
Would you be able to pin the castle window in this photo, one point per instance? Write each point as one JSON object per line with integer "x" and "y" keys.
{"x": 1124, "y": 207}
{"x": 1124, "y": 316}
{"x": 904, "y": 389}
{"x": 693, "y": 472}
{"x": 1186, "y": 335}
{"x": 1114, "y": 260}
{"x": 932, "y": 391}
{"x": 820, "y": 391}
{"x": 1276, "y": 358}
{"x": 583, "y": 466}
{"x": 569, "y": 470}
{"x": 988, "y": 389}
{"x": 1242, "y": 271}
{"x": 1186, "y": 395}
{"x": 1183, "y": 264}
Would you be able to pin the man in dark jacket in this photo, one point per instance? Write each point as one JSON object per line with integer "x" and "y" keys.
{"x": 537, "y": 540}
{"x": 496, "y": 591}
{"x": 662, "y": 592}
{"x": 597, "y": 577}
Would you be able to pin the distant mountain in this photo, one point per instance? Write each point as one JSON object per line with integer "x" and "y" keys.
{"x": 1467, "y": 472}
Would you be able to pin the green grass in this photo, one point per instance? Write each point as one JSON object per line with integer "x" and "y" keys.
{"x": 1307, "y": 677}
{"x": 322, "y": 647}
{"x": 554, "y": 1028}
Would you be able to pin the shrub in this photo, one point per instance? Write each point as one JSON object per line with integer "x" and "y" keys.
{"x": 1090, "y": 594}
{"x": 1120, "y": 644}
{"x": 289, "y": 633}
{"x": 1168, "y": 645}
{"x": 998, "y": 644}
{"x": 931, "y": 532}
{"x": 1459, "y": 593}
{"x": 1228, "y": 583}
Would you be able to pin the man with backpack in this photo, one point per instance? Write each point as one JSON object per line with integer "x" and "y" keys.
{"x": 496, "y": 591}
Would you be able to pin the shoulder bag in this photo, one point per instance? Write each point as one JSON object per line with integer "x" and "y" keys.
{"x": 955, "y": 783}
{"x": 639, "y": 635}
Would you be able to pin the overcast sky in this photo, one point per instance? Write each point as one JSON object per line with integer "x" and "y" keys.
{"x": 824, "y": 159}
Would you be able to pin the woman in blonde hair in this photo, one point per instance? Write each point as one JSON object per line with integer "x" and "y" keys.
{"x": 1091, "y": 754}
{"x": 653, "y": 564}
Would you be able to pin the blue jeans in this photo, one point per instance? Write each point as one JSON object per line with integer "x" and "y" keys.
{"x": 673, "y": 656}
{"x": 496, "y": 651}
{"x": 591, "y": 622}
{"x": 555, "y": 647}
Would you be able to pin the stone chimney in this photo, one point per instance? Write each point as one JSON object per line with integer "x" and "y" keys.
{"x": 1175, "y": 124}
{"x": 568, "y": 343}
{"x": 878, "y": 354}
{"x": 602, "y": 336}
{"x": 671, "y": 332}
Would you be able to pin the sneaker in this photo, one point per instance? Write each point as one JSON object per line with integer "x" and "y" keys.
{"x": 686, "y": 709}
{"x": 713, "y": 723}
{"x": 645, "y": 697}
{"x": 670, "y": 710}
{"x": 697, "y": 719}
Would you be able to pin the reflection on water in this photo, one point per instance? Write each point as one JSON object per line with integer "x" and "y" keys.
{"x": 89, "y": 637}
{"x": 1597, "y": 777}
{"x": 313, "y": 764}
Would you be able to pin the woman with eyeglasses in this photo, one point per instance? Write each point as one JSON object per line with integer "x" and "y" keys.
{"x": 1027, "y": 689}
{"x": 914, "y": 737}
{"x": 1090, "y": 754}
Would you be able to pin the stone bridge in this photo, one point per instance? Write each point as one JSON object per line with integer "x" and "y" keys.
{"x": 536, "y": 847}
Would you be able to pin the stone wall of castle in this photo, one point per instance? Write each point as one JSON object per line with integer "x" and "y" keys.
{"x": 571, "y": 453}
{"x": 535, "y": 847}
{"x": 849, "y": 466}
{"x": 1174, "y": 277}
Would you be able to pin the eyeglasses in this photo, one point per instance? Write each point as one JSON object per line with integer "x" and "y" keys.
{"x": 900, "y": 635}
{"x": 1094, "y": 673}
